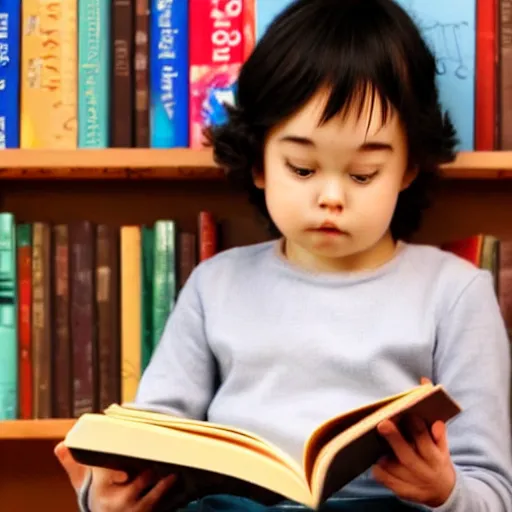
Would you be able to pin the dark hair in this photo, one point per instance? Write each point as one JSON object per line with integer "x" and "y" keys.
{"x": 347, "y": 46}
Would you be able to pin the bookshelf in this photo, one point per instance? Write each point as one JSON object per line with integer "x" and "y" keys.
{"x": 187, "y": 164}
{"x": 122, "y": 186}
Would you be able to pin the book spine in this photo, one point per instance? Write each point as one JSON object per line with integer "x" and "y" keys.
{"x": 485, "y": 76}
{"x": 131, "y": 311}
{"x": 187, "y": 256}
{"x": 82, "y": 314}
{"x": 41, "y": 319}
{"x": 169, "y": 73}
{"x": 8, "y": 319}
{"x": 161, "y": 291}
{"x": 10, "y": 53}
{"x": 48, "y": 89}
{"x": 122, "y": 74}
{"x": 63, "y": 378}
{"x": 141, "y": 70}
{"x": 216, "y": 53}
{"x": 208, "y": 236}
{"x": 93, "y": 73}
{"x": 24, "y": 248}
{"x": 108, "y": 333}
{"x": 147, "y": 295}
{"x": 505, "y": 85}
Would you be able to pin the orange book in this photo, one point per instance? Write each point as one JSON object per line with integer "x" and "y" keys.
{"x": 131, "y": 290}
{"x": 48, "y": 113}
{"x": 211, "y": 457}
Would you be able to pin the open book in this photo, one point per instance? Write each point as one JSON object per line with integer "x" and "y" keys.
{"x": 212, "y": 458}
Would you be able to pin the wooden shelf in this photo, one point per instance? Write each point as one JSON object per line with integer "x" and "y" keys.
{"x": 35, "y": 429}
{"x": 111, "y": 163}
{"x": 186, "y": 164}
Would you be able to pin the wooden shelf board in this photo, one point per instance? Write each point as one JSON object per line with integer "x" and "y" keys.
{"x": 35, "y": 429}
{"x": 186, "y": 164}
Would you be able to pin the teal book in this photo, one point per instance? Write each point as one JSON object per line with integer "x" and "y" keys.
{"x": 449, "y": 29}
{"x": 148, "y": 237}
{"x": 164, "y": 276}
{"x": 93, "y": 73}
{"x": 8, "y": 319}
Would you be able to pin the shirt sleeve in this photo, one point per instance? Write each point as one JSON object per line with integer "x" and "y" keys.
{"x": 180, "y": 377}
{"x": 472, "y": 361}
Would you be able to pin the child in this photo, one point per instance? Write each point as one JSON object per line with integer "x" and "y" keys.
{"x": 337, "y": 135}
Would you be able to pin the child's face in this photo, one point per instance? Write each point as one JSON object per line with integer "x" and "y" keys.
{"x": 332, "y": 189}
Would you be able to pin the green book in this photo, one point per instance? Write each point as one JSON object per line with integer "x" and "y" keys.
{"x": 164, "y": 276}
{"x": 147, "y": 296}
{"x": 8, "y": 319}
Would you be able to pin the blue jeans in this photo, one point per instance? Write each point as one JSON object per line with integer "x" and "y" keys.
{"x": 227, "y": 503}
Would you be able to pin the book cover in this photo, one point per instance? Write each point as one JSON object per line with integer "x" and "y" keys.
{"x": 94, "y": 73}
{"x": 169, "y": 73}
{"x": 8, "y": 319}
{"x": 221, "y": 37}
{"x": 450, "y": 30}
{"x": 48, "y": 75}
{"x": 10, "y": 53}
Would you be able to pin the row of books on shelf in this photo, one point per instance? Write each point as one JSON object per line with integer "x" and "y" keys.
{"x": 82, "y": 307}
{"x": 154, "y": 73}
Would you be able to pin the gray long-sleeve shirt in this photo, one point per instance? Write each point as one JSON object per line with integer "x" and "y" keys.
{"x": 294, "y": 348}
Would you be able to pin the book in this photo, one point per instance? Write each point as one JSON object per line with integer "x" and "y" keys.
{"x": 210, "y": 458}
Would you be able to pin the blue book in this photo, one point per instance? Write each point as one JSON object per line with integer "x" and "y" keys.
{"x": 10, "y": 50}
{"x": 168, "y": 78}
{"x": 449, "y": 27}
{"x": 8, "y": 319}
{"x": 266, "y": 11}
{"x": 93, "y": 73}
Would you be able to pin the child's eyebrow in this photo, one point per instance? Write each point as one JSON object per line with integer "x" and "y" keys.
{"x": 367, "y": 147}
{"x": 375, "y": 146}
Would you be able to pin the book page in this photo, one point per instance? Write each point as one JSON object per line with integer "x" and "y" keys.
{"x": 108, "y": 437}
{"x": 331, "y": 428}
{"x": 357, "y": 448}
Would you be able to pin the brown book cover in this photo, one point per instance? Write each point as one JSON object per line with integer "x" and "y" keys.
{"x": 505, "y": 75}
{"x": 242, "y": 463}
{"x": 62, "y": 360}
{"x": 122, "y": 74}
{"x": 41, "y": 321}
{"x": 141, "y": 70}
{"x": 107, "y": 303}
{"x": 187, "y": 256}
{"x": 83, "y": 318}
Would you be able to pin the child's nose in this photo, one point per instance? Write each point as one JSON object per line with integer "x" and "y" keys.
{"x": 331, "y": 198}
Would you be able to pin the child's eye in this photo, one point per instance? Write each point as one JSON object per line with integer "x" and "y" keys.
{"x": 302, "y": 172}
{"x": 363, "y": 179}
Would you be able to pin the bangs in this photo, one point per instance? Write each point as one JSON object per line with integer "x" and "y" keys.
{"x": 354, "y": 56}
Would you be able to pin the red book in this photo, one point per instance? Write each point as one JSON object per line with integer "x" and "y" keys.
{"x": 221, "y": 38}
{"x": 485, "y": 77}
{"x": 24, "y": 262}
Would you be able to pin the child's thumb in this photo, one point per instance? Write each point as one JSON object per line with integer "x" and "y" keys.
{"x": 76, "y": 472}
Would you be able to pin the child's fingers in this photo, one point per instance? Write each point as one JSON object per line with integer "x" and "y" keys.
{"x": 401, "y": 488}
{"x": 425, "y": 444}
{"x": 439, "y": 436}
{"x": 154, "y": 495}
{"x": 403, "y": 451}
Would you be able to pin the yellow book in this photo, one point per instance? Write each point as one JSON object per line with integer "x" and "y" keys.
{"x": 48, "y": 112}
{"x": 211, "y": 458}
{"x": 130, "y": 311}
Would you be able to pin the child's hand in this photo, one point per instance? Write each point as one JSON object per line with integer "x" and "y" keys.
{"x": 111, "y": 491}
{"x": 422, "y": 470}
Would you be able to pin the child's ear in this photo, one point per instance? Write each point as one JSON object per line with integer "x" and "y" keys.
{"x": 409, "y": 176}
{"x": 258, "y": 178}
